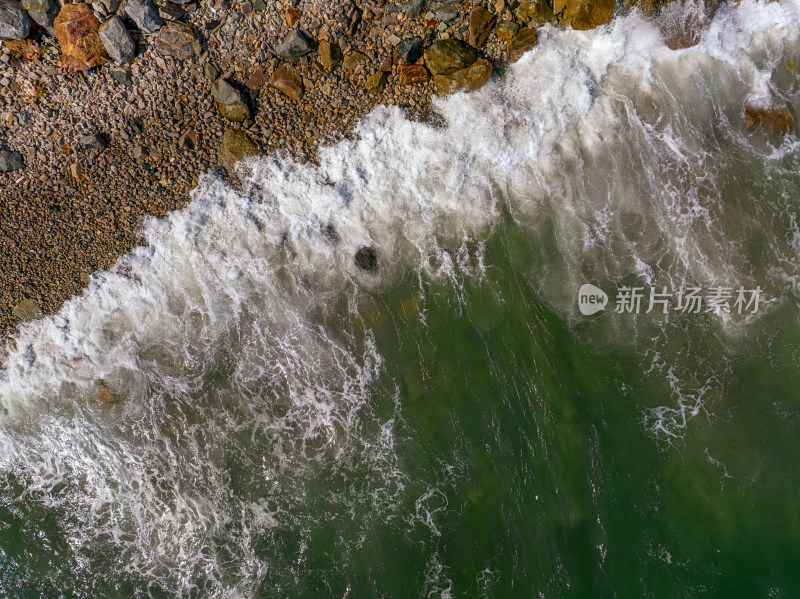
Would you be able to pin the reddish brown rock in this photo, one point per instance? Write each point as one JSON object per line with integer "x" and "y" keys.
{"x": 409, "y": 74}
{"x": 521, "y": 43}
{"x": 775, "y": 119}
{"x": 469, "y": 79}
{"x": 77, "y": 32}
{"x": 293, "y": 15}
{"x": 288, "y": 81}
{"x": 258, "y": 78}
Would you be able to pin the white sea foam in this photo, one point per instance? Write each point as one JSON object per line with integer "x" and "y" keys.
{"x": 605, "y": 141}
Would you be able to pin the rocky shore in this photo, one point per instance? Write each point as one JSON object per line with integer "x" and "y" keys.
{"x": 110, "y": 111}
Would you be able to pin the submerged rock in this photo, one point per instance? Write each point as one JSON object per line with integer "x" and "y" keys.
{"x": 448, "y": 56}
{"x": 117, "y": 41}
{"x": 775, "y": 119}
{"x": 14, "y": 21}
{"x": 105, "y": 394}
{"x": 77, "y": 30}
{"x": 366, "y": 259}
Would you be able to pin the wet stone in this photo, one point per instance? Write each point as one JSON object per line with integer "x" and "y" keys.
{"x": 366, "y": 259}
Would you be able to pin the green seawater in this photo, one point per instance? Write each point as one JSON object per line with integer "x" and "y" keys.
{"x": 288, "y": 426}
{"x": 529, "y": 464}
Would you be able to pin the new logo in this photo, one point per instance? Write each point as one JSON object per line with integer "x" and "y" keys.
{"x": 591, "y": 299}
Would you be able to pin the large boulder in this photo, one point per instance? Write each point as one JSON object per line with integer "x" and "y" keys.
{"x": 77, "y": 30}
{"x": 448, "y": 56}
{"x": 10, "y": 160}
{"x": 584, "y": 14}
{"x": 521, "y": 43}
{"x": 43, "y": 12}
{"x": 294, "y": 46}
{"x": 178, "y": 39}
{"x": 481, "y": 22}
{"x": 117, "y": 41}
{"x": 14, "y": 21}
{"x": 235, "y": 145}
{"x": 288, "y": 81}
{"x": 145, "y": 14}
{"x": 230, "y": 101}
{"x": 536, "y": 11}
{"x": 469, "y": 79}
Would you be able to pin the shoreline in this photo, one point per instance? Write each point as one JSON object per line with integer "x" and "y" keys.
{"x": 106, "y": 147}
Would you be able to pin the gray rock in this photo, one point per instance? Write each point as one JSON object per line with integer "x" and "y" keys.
{"x": 171, "y": 11}
{"x": 410, "y": 49}
{"x": 43, "y": 12}
{"x": 112, "y": 6}
{"x": 100, "y": 10}
{"x": 14, "y": 21}
{"x": 145, "y": 14}
{"x": 412, "y": 7}
{"x": 93, "y": 141}
{"x": 117, "y": 41}
{"x": 448, "y": 13}
{"x": 294, "y": 46}
{"x": 231, "y": 102}
{"x": 121, "y": 76}
{"x": 10, "y": 161}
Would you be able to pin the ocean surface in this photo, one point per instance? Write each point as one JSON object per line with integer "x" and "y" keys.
{"x": 288, "y": 424}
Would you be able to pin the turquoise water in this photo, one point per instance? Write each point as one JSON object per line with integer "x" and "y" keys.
{"x": 287, "y": 425}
